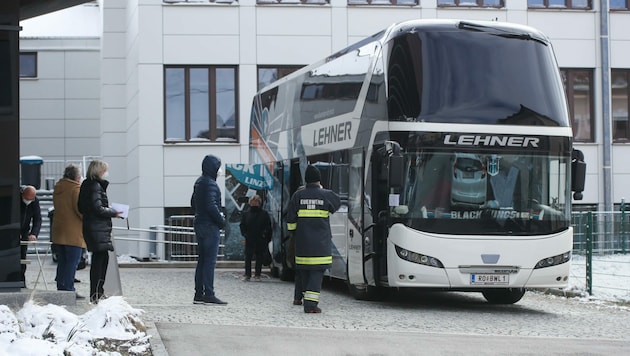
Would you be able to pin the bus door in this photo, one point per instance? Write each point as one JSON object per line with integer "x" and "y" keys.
{"x": 291, "y": 180}
{"x": 358, "y": 266}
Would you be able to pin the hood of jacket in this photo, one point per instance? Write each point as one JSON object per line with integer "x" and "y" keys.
{"x": 64, "y": 185}
{"x": 210, "y": 166}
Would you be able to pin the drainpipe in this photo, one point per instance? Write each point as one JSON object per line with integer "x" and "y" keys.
{"x": 606, "y": 110}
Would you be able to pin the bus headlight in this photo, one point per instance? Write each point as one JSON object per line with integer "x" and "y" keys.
{"x": 418, "y": 258}
{"x": 554, "y": 260}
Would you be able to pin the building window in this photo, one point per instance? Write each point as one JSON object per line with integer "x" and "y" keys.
{"x": 471, "y": 3}
{"x": 578, "y": 84}
{"x": 269, "y": 74}
{"x": 197, "y": 1}
{"x": 620, "y": 104}
{"x": 28, "y": 64}
{"x": 200, "y": 104}
{"x": 620, "y": 4}
{"x": 383, "y": 2}
{"x": 560, "y": 4}
{"x": 313, "y": 2}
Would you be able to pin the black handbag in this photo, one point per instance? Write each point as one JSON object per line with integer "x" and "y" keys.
{"x": 82, "y": 261}
{"x": 267, "y": 257}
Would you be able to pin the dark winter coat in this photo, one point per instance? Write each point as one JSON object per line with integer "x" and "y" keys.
{"x": 307, "y": 218}
{"x": 30, "y": 213}
{"x": 206, "y": 198}
{"x": 256, "y": 226}
{"x": 97, "y": 215}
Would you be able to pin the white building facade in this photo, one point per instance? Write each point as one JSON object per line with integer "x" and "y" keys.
{"x": 127, "y": 88}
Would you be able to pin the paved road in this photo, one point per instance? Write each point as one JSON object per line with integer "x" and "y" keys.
{"x": 261, "y": 320}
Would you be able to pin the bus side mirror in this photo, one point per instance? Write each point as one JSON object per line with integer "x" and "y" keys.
{"x": 578, "y": 174}
{"x": 396, "y": 171}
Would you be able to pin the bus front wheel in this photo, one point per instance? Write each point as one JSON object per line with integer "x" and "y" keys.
{"x": 503, "y": 296}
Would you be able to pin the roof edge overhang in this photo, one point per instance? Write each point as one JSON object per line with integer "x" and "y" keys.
{"x": 34, "y": 8}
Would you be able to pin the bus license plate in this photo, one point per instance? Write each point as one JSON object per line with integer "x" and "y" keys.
{"x": 489, "y": 279}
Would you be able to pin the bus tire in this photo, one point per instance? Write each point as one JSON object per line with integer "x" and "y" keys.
{"x": 503, "y": 296}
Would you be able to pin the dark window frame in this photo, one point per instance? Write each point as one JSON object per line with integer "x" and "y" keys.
{"x": 568, "y": 4}
{"x": 212, "y": 93}
{"x": 33, "y": 73}
{"x": 570, "y": 74}
{"x": 469, "y": 3}
{"x": 624, "y": 8}
{"x": 614, "y": 73}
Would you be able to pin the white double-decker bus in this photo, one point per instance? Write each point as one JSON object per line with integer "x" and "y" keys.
{"x": 451, "y": 147}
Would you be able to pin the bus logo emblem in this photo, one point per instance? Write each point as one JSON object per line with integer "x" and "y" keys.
{"x": 493, "y": 165}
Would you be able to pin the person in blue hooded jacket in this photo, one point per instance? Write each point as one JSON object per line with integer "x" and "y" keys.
{"x": 209, "y": 220}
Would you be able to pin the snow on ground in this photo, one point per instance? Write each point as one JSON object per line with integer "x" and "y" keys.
{"x": 114, "y": 327}
{"x": 610, "y": 276}
{"x": 111, "y": 327}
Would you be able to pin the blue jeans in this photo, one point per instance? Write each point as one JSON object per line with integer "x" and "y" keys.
{"x": 207, "y": 248}
{"x": 67, "y": 261}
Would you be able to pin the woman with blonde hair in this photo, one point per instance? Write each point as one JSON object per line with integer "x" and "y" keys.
{"x": 97, "y": 224}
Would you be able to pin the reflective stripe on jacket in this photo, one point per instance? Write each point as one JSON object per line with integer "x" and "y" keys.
{"x": 307, "y": 217}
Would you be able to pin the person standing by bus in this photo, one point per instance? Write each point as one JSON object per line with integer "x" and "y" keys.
{"x": 308, "y": 219}
{"x": 31, "y": 214}
{"x": 209, "y": 220}
{"x": 97, "y": 224}
{"x": 67, "y": 230}
{"x": 256, "y": 228}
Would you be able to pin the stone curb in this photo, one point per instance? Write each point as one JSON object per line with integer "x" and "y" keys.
{"x": 179, "y": 264}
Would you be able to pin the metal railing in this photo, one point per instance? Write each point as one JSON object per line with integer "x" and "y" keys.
{"x": 600, "y": 244}
{"x": 174, "y": 241}
{"x": 607, "y": 231}
{"x": 52, "y": 170}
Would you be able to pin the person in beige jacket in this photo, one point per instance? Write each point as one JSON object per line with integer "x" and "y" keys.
{"x": 67, "y": 227}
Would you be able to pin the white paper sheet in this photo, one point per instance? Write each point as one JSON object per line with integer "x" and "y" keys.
{"x": 121, "y": 207}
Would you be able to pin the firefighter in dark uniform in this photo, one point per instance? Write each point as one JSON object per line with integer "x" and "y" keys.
{"x": 307, "y": 218}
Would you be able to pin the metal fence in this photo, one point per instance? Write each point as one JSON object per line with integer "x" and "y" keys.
{"x": 607, "y": 231}
{"x": 601, "y": 249}
{"x": 179, "y": 239}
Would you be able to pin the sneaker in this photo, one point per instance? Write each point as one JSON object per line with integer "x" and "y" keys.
{"x": 77, "y": 281}
{"x": 198, "y": 299}
{"x": 213, "y": 300}
{"x": 297, "y": 302}
{"x": 314, "y": 310}
{"x": 246, "y": 279}
{"x": 79, "y": 296}
{"x": 257, "y": 278}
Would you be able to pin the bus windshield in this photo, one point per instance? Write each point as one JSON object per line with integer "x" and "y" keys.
{"x": 463, "y": 76}
{"x": 483, "y": 193}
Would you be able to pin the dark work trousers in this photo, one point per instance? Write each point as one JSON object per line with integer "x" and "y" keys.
{"x": 298, "y": 292}
{"x": 98, "y": 269}
{"x": 312, "y": 284}
{"x": 23, "y": 250}
{"x": 251, "y": 249}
